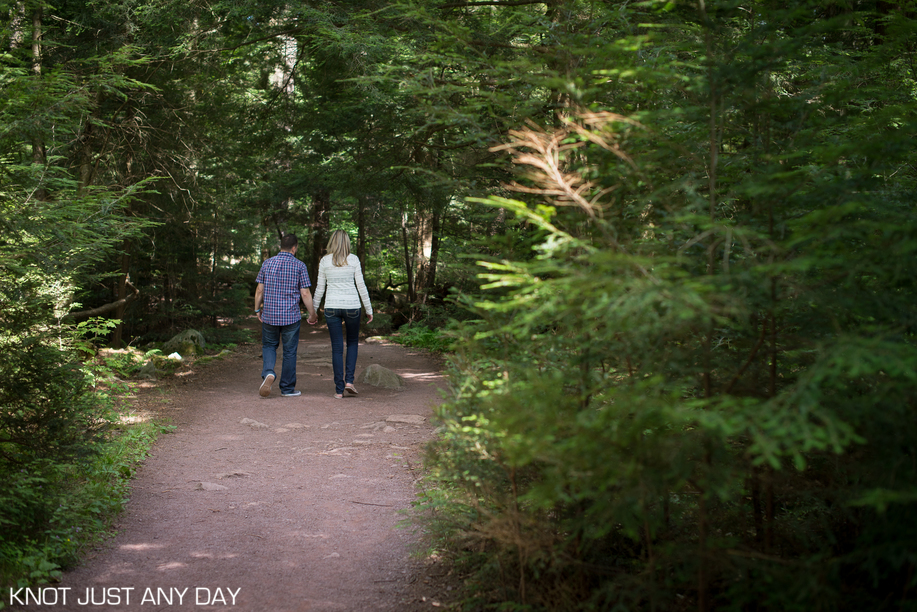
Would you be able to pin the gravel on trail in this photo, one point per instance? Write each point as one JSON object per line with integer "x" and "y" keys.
{"x": 272, "y": 504}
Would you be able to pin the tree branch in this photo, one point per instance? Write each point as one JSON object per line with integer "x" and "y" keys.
{"x": 101, "y": 310}
{"x": 261, "y": 39}
{"x": 491, "y": 3}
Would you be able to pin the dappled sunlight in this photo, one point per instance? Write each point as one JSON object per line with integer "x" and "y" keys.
{"x": 140, "y": 547}
{"x": 132, "y": 419}
{"x": 422, "y": 376}
{"x": 207, "y": 555}
{"x": 171, "y": 565}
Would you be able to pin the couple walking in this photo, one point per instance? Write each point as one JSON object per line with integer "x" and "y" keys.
{"x": 282, "y": 281}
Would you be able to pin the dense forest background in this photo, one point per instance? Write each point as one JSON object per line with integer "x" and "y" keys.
{"x": 674, "y": 245}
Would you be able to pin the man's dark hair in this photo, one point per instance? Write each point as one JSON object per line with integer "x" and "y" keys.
{"x": 288, "y": 242}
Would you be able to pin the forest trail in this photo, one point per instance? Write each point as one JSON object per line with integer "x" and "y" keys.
{"x": 295, "y": 511}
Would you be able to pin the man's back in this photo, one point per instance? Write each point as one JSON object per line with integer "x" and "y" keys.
{"x": 283, "y": 276}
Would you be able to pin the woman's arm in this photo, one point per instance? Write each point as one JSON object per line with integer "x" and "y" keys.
{"x": 361, "y": 287}
{"x": 320, "y": 284}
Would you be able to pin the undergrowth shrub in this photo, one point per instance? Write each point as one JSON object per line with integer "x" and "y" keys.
{"x": 699, "y": 391}
{"x": 64, "y": 458}
{"x": 53, "y": 511}
{"x": 421, "y": 336}
{"x": 48, "y": 410}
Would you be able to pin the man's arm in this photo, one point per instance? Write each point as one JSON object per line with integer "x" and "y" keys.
{"x": 307, "y": 300}
{"x": 259, "y": 299}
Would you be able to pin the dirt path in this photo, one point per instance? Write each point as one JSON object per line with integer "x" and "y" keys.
{"x": 296, "y": 511}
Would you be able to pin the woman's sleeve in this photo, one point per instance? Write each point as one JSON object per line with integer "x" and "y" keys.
{"x": 361, "y": 286}
{"x": 320, "y": 283}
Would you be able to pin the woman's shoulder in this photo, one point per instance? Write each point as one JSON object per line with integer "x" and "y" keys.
{"x": 353, "y": 260}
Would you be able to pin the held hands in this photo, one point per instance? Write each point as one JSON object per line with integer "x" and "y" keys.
{"x": 313, "y": 318}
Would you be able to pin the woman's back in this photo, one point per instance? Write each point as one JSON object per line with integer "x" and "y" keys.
{"x": 343, "y": 286}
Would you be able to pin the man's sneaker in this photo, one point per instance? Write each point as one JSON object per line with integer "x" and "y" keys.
{"x": 266, "y": 385}
{"x": 292, "y": 394}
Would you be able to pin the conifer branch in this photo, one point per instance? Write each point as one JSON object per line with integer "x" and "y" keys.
{"x": 491, "y": 3}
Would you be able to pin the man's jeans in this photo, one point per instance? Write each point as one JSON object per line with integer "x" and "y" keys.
{"x": 340, "y": 320}
{"x": 271, "y": 337}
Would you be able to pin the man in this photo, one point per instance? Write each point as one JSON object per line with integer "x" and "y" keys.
{"x": 282, "y": 281}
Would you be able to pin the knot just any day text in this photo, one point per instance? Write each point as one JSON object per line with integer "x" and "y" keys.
{"x": 116, "y": 596}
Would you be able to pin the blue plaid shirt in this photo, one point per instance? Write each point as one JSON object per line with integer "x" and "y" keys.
{"x": 282, "y": 276}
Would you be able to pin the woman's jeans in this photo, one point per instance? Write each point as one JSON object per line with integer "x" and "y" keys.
{"x": 341, "y": 320}
{"x": 271, "y": 336}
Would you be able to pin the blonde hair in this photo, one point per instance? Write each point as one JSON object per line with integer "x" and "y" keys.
{"x": 339, "y": 247}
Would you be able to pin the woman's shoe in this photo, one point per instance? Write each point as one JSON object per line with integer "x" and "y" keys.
{"x": 349, "y": 388}
{"x": 338, "y": 396}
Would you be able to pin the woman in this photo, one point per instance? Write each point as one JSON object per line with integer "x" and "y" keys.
{"x": 339, "y": 272}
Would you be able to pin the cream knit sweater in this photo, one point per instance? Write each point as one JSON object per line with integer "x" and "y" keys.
{"x": 344, "y": 284}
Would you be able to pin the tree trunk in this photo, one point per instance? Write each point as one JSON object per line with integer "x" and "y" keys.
{"x": 563, "y": 60}
{"x": 321, "y": 218}
{"x": 39, "y": 157}
{"x": 424, "y": 251}
{"x": 213, "y": 263}
{"x": 362, "y": 201}
{"x": 123, "y": 282}
{"x": 87, "y": 140}
{"x": 427, "y": 252}
{"x": 85, "y": 158}
{"x": 408, "y": 264}
{"x": 36, "y": 40}
{"x": 434, "y": 249}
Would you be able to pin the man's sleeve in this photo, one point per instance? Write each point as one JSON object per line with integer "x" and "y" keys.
{"x": 304, "y": 282}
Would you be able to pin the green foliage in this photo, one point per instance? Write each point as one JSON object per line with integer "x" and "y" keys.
{"x": 421, "y": 336}
{"x": 228, "y": 337}
{"x": 50, "y": 426}
{"x": 56, "y": 227}
{"x": 52, "y": 511}
{"x": 696, "y": 390}
{"x": 48, "y": 409}
{"x": 63, "y": 466}
{"x": 217, "y": 357}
